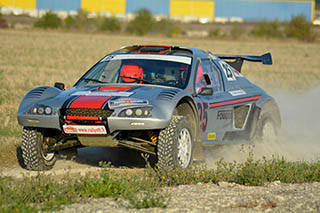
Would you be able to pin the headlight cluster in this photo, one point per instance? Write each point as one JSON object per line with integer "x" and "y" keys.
{"x": 41, "y": 110}
{"x": 140, "y": 112}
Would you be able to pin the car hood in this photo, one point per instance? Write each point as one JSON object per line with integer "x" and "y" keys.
{"x": 102, "y": 97}
{"x": 117, "y": 95}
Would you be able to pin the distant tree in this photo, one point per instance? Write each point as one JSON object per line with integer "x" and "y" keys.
{"x": 49, "y": 20}
{"x": 110, "y": 24}
{"x": 81, "y": 20}
{"x": 300, "y": 28}
{"x": 142, "y": 23}
{"x": 3, "y": 22}
{"x": 267, "y": 29}
{"x": 68, "y": 21}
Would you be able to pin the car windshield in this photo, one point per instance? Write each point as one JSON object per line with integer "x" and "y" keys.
{"x": 168, "y": 70}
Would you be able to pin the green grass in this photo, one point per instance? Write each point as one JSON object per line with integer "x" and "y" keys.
{"x": 251, "y": 172}
{"x": 43, "y": 193}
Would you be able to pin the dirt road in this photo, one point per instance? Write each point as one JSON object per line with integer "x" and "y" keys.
{"x": 87, "y": 160}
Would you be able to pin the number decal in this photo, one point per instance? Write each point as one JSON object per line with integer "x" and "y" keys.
{"x": 203, "y": 115}
{"x": 227, "y": 71}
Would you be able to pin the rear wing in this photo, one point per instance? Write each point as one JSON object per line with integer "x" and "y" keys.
{"x": 237, "y": 63}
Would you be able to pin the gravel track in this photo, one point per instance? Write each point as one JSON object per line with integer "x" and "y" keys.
{"x": 224, "y": 197}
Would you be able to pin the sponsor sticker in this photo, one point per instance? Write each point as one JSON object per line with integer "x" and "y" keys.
{"x": 237, "y": 73}
{"x": 212, "y": 136}
{"x": 84, "y": 129}
{"x": 225, "y": 115}
{"x": 173, "y": 58}
{"x": 126, "y": 102}
{"x": 103, "y": 93}
{"x": 237, "y": 92}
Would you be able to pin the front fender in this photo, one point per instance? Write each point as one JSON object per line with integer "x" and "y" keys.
{"x": 164, "y": 109}
{"x": 36, "y": 95}
{"x": 32, "y": 98}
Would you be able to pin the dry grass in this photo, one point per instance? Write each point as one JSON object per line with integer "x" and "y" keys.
{"x": 35, "y": 58}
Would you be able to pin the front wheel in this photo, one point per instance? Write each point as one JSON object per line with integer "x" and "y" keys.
{"x": 175, "y": 144}
{"x": 33, "y": 151}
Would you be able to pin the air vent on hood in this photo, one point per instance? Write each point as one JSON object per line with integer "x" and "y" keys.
{"x": 36, "y": 93}
{"x": 167, "y": 95}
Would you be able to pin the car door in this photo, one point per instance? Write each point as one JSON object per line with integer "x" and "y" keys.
{"x": 235, "y": 106}
{"x": 212, "y": 122}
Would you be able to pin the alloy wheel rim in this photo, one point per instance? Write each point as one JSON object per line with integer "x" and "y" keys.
{"x": 47, "y": 156}
{"x": 184, "y": 148}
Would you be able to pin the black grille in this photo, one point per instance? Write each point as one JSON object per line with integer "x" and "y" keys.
{"x": 88, "y": 112}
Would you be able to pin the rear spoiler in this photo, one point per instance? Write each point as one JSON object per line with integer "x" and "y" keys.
{"x": 237, "y": 63}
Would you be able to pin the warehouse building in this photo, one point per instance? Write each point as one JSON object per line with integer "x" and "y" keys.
{"x": 184, "y": 10}
{"x": 264, "y": 10}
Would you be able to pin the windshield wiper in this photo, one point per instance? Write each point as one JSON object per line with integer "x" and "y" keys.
{"x": 92, "y": 79}
{"x": 138, "y": 79}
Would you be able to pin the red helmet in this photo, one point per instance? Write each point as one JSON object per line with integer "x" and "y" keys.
{"x": 129, "y": 71}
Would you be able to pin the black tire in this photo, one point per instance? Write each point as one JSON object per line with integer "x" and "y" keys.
{"x": 33, "y": 154}
{"x": 170, "y": 150}
{"x": 267, "y": 130}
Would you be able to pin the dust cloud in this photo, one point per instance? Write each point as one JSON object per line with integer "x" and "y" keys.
{"x": 299, "y": 137}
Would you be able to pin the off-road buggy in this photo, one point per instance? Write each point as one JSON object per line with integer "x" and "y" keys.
{"x": 167, "y": 101}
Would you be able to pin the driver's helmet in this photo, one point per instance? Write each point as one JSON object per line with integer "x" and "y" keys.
{"x": 130, "y": 71}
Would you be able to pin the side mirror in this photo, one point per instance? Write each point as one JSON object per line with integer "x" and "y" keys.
{"x": 59, "y": 85}
{"x": 206, "y": 91}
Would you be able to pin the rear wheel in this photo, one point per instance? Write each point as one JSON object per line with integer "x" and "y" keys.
{"x": 267, "y": 130}
{"x": 34, "y": 153}
{"x": 175, "y": 144}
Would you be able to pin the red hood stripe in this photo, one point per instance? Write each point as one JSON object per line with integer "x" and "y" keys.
{"x": 115, "y": 88}
{"x": 92, "y": 102}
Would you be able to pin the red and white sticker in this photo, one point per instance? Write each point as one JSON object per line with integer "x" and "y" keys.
{"x": 84, "y": 129}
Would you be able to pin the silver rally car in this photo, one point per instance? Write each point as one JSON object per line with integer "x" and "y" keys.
{"x": 167, "y": 101}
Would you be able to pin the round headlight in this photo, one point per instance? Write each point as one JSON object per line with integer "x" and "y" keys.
{"x": 146, "y": 112}
{"x": 129, "y": 112}
{"x": 34, "y": 110}
{"x": 138, "y": 112}
{"x": 40, "y": 110}
{"x": 48, "y": 110}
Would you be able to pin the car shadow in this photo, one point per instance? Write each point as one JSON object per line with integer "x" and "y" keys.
{"x": 116, "y": 156}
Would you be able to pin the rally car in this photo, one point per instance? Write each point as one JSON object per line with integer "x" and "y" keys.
{"x": 167, "y": 101}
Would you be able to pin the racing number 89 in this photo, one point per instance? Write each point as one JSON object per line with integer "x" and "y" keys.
{"x": 203, "y": 115}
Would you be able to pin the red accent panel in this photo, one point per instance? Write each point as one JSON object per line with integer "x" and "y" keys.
{"x": 115, "y": 88}
{"x": 150, "y": 45}
{"x": 235, "y": 101}
{"x": 92, "y": 102}
{"x": 155, "y": 53}
{"x": 82, "y": 118}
